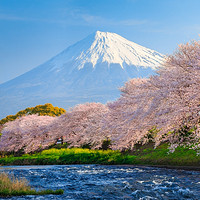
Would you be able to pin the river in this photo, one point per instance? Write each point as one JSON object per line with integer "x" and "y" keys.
{"x": 109, "y": 182}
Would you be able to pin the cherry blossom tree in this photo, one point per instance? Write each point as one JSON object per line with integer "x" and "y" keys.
{"x": 169, "y": 100}
{"x": 164, "y": 107}
{"x": 82, "y": 125}
{"x": 28, "y": 133}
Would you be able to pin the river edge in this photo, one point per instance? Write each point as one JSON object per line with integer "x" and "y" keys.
{"x": 181, "y": 158}
{"x": 186, "y": 168}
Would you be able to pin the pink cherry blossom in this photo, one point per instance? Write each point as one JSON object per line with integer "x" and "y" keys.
{"x": 165, "y": 102}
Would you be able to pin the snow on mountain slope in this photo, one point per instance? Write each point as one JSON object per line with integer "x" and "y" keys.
{"x": 90, "y": 70}
{"x": 110, "y": 48}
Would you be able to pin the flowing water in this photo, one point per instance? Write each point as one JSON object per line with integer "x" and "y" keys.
{"x": 109, "y": 182}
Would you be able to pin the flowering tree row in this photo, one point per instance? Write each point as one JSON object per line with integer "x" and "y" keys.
{"x": 81, "y": 125}
{"x": 46, "y": 109}
{"x": 166, "y": 105}
{"x": 168, "y": 101}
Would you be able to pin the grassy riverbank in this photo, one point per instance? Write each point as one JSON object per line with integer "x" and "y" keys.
{"x": 144, "y": 155}
{"x": 11, "y": 186}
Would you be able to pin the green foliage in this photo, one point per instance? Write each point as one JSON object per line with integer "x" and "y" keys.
{"x": 147, "y": 155}
{"x": 185, "y": 136}
{"x": 70, "y": 156}
{"x": 152, "y": 134}
{"x": 182, "y": 156}
{"x": 11, "y": 186}
{"x": 46, "y": 109}
{"x": 106, "y": 144}
{"x": 5, "y": 193}
{"x": 59, "y": 146}
{"x": 86, "y": 146}
{"x": 186, "y": 132}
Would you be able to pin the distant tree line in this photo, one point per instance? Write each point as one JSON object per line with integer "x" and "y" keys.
{"x": 41, "y": 110}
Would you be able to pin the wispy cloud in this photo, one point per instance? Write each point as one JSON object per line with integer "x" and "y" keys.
{"x": 7, "y": 17}
{"x": 99, "y": 20}
{"x": 132, "y": 22}
{"x": 76, "y": 17}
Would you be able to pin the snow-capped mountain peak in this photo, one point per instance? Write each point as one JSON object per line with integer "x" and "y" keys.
{"x": 110, "y": 48}
{"x": 91, "y": 70}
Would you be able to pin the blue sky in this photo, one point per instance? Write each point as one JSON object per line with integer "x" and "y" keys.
{"x": 32, "y": 31}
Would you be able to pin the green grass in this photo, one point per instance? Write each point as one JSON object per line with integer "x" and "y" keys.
{"x": 143, "y": 155}
{"x": 11, "y": 186}
{"x": 161, "y": 156}
{"x": 68, "y": 156}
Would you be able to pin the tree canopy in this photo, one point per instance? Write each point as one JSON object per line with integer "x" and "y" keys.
{"x": 163, "y": 108}
{"x": 41, "y": 110}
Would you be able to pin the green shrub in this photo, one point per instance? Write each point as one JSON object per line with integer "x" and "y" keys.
{"x": 106, "y": 144}
{"x": 46, "y": 109}
{"x": 11, "y": 186}
{"x": 147, "y": 155}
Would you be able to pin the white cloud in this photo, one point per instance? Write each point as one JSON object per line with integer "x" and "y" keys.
{"x": 11, "y": 17}
{"x": 76, "y": 17}
{"x": 98, "y": 20}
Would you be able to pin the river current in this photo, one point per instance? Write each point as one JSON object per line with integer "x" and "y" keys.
{"x": 109, "y": 182}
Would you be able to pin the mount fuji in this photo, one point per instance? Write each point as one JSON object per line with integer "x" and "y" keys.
{"x": 91, "y": 70}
